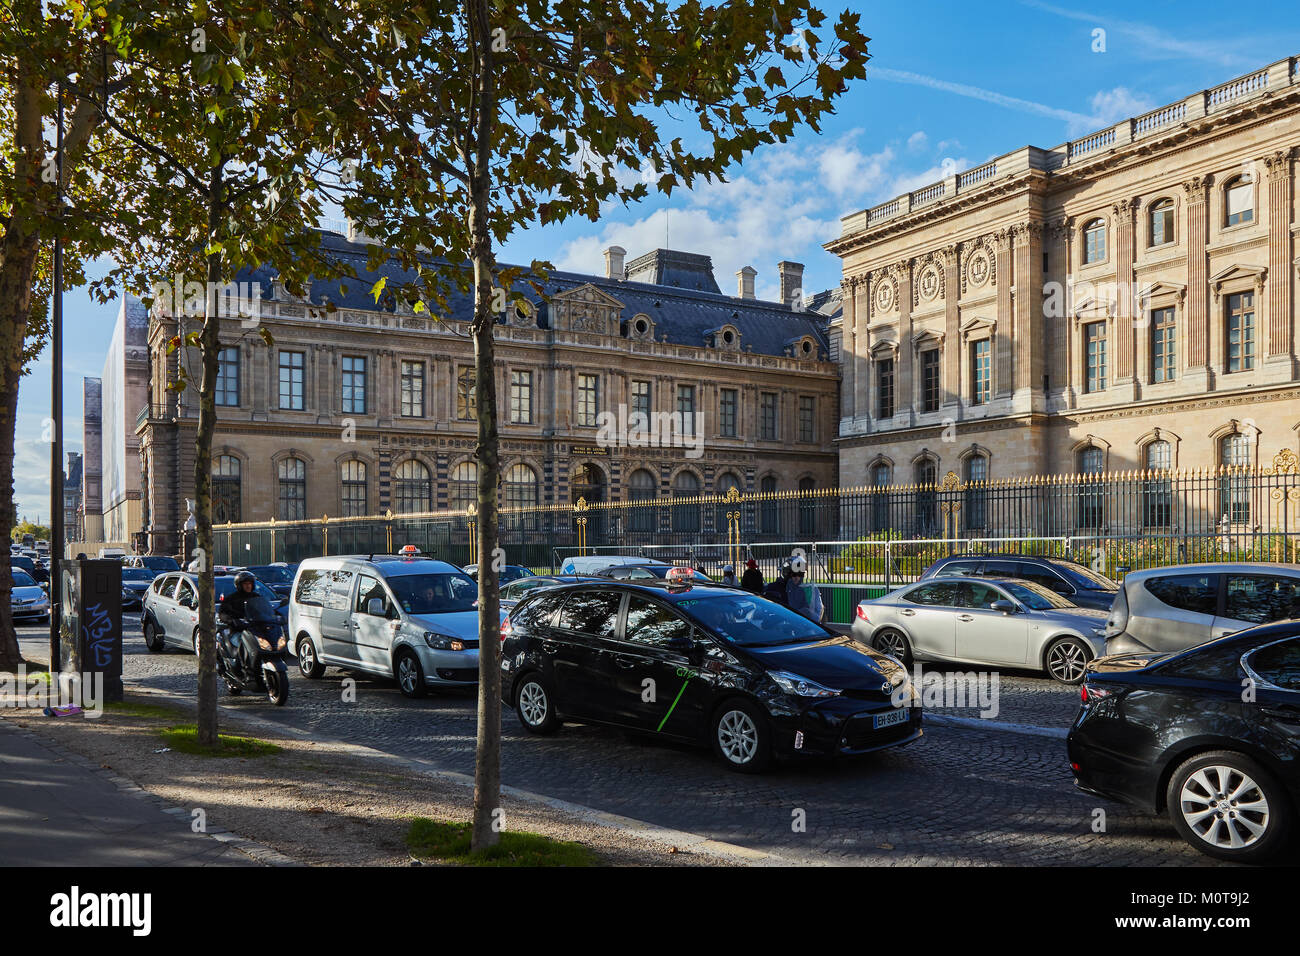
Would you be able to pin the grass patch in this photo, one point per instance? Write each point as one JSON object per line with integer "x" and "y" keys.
{"x": 132, "y": 708}
{"x": 185, "y": 739}
{"x": 449, "y": 843}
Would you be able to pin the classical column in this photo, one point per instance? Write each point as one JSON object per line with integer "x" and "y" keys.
{"x": 1124, "y": 319}
{"x": 1027, "y": 331}
{"x": 1002, "y": 342}
{"x": 848, "y": 352}
{"x": 952, "y": 351}
{"x": 903, "y": 384}
{"x": 1281, "y": 320}
{"x": 1196, "y": 360}
{"x": 862, "y": 351}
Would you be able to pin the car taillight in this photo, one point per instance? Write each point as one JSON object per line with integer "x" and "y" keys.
{"x": 1087, "y": 694}
{"x": 506, "y": 629}
{"x": 862, "y": 614}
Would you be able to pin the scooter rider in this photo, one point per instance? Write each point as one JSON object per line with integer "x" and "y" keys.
{"x": 235, "y": 608}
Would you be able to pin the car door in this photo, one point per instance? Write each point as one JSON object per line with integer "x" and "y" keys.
{"x": 660, "y": 685}
{"x": 1251, "y": 599}
{"x": 929, "y": 616}
{"x": 1275, "y": 711}
{"x": 334, "y": 590}
{"x": 184, "y": 615}
{"x": 985, "y": 635}
{"x": 373, "y": 633}
{"x": 579, "y": 656}
{"x": 160, "y": 604}
{"x": 1176, "y": 611}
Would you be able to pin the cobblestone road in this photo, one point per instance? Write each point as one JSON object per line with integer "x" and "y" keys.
{"x": 963, "y": 795}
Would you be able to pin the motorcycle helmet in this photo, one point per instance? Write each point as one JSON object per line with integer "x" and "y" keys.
{"x": 243, "y": 576}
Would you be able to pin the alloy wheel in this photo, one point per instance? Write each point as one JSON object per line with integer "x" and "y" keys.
{"x": 407, "y": 674}
{"x": 1067, "y": 662}
{"x": 893, "y": 644}
{"x": 1224, "y": 807}
{"x": 738, "y": 736}
{"x": 533, "y": 703}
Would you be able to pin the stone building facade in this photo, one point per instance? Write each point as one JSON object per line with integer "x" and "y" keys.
{"x": 368, "y": 407}
{"x": 1121, "y": 301}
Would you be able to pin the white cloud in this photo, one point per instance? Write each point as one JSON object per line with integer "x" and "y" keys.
{"x": 1148, "y": 40}
{"x": 975, "y": 92}
{"x": 917, "y": 141}
{"x": 1111, "y": 106}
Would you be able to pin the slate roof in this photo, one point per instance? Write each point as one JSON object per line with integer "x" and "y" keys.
{"x": 685, "y": 316}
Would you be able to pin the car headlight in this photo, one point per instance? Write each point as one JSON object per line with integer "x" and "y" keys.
{"x": 801, "y": 686}
{"x": 439, "y": 642}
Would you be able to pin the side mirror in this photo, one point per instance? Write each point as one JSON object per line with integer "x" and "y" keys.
{"x": 1006, "y": 607}
{"x": 375, "y": 606}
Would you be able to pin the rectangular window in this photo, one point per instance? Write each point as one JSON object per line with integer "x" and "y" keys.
{"x": 686, "y": 408}
{"x": 807, "y": 418}
{"x": 767, "y": 416}
{"x": 1094, "y": 338}
{"x": 930, "y": 380}
{"x": 291, "y": 380}
{"x": 727, "y": 404}
{"x": 1164, "y": 355}
{"x": 641, "y": 398}
{"x": 981, "y": 370}
{"x": 588, "y": 400}
{"x": 412, "y": 389}
{"x": 521, "y": 398}
{"x": 354, "y": 384}
{"x": 1241, "y": 332}
{"x": 466, "y": 400}
{"x": 228, "y": 377}
{"x": 885, "y": 388}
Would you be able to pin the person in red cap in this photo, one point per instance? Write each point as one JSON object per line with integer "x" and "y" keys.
{"x": 752, "y": 579}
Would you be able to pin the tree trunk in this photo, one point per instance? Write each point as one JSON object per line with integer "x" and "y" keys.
{"x": 209, "y": 348}
{"x": 487, "y": 821}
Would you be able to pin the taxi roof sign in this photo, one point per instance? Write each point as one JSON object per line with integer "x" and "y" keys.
{"x": 680, "y": 576}
{"x": 409, "y": 551}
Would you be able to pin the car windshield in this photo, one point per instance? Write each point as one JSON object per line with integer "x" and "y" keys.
{"x": 1035, "y": 597}
{"x": 273, "y": 575}
{"x": 1084, "y": 576}
{"x": 160, "y": 563}
{"x": 137, "y": 574}
{"x": 751, "y": 621}
{"x": 434, "y": 593}
{"x": 21, "y": 578}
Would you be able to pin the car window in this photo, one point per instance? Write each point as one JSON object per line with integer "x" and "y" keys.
{"x": 537, "y": 611}
{"x": 1036, "y": 597}
{"x": 516, "y": 589}
{"x": 340, "y": 590}
{"x": 312, "y": 587}
{"x": 1279, "y": 664}
{"x": 653, "y": 624}
{"x": 944, "y": 595}
{"x": 1004, "y": 569}
{"x": 1187, "y": 592}
{"x": 957, "y": 569}
{"x": 1085, "y": 577}
{"x": 185, "y": 594}
{"x": 169, "y": 587}
{"x": 591, "y": 612}
{"x": 1260, "y": 598}
{"x": 1043, "y": 578}
{"x": 21, "y": 579}
{"x": 970, "y": 594}
{"x": 367, "y": 588}
{"x": 434, "y": 593}
{"x": 137, "y": 574}
{"x": 1214, "y": 662}
{"x": 751, "y": 621}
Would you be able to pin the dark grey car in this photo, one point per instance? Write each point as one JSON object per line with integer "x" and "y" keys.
{"x": 1075, "y": 582}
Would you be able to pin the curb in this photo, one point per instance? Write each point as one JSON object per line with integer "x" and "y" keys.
{"x": 259, "y": 852}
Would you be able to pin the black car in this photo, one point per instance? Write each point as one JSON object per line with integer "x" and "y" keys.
{"x": 510, "y": 572}
{"x": 650, "y": 571}
{"x": 38, "y": 573}
{"x": 135, "y": 581}
{"x": 518, "y": 589}
{"x": 277, "y": 577}
{"x": 702, "y": 663}
{"x": 1210, "y": 735}
{"x": 1082, "y": 585}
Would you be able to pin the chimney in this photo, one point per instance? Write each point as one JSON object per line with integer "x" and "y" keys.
{"x": 614, "y": 262}
{"x": 791, "y": 279}
{"x": 745, "y": 282}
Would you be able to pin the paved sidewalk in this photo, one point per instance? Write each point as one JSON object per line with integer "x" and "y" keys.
{"x": 56, "y": 810}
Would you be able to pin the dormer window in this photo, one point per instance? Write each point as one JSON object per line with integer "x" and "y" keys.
{"x": 641, "y": 326}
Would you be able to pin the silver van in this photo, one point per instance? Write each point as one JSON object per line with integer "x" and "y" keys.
{"x": 412, "y": 619}
{"x": 1171, "y": 609}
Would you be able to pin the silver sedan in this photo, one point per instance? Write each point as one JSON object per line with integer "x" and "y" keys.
{"x": 997, "y": 621}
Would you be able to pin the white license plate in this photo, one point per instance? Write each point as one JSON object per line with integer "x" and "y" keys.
{"x": 899, "y": 716}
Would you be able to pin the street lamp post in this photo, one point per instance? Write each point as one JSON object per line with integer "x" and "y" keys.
{"x": 56, "y": 399}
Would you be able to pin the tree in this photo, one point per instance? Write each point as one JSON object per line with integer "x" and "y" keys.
{"x": 498, "y": 116}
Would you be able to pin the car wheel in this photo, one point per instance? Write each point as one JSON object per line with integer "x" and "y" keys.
{"x": 741, "y": 737}
{"x": 894, "y": 643}
{"x": 535, "y": 707}
{"x": 1228, "y": 806}
{"x": 152, "y": 639}
{"x": 409, "y": 674}
{"x": 1066, "y": 660}
{"x": 308, "y": 662}
{"x": 194, "y": 641}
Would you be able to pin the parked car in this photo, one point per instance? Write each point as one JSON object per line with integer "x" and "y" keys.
{"x": 648, "y": 571}
{"x": 510, "y": 572}
{"x": 278, "y": 577}
{"x": 1210, "y": 736}
{"x": 135, "y": 582}
{"x": 28, "y": 599}
{"x": 170, "y": 616}
{"x": 109, "y": 553}
{"x": 591, "y": 563}
{"x": 989, "y": 621}
{"x": 33, "y": 568}
{"x": 1070, "y": 579}
{"x": 515, "y": 591}
{"x": 724, "y": 668}
{"x": 412, "y": 619}
{"x": 157, "y": 563}
{"x": 1169, "y": 609}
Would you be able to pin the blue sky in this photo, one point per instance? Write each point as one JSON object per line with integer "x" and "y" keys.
{"x": 949, "y": 86}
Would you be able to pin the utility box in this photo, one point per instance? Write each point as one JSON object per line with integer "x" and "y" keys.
{"x": 90, "y": 628}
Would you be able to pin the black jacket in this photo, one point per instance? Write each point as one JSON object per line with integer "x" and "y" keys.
{"x": 776, "y": 591}
{"x": 234, "y": 606}
{"x": 752, "y": 580}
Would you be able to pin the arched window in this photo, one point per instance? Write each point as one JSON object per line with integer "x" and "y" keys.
{"x": 521, "y": 492}
{"x": 463, "y": 486}
{"x": 292, "y": 489}
{"x": 976, "y": 504}
{"x": 354, "y": 494}
{"x": 769, "y": 512}
{"x": 927, "y": 500}
{"x": 686, "y": 517}
{"x": 1234, "y": 488}
{"x": 807, "y": 508}
{"x": 1157, "y": 490}
{"x": 641, "y": 486}
{"x": 1092, "y": 461}
{"x": 225, "y": 489}
{"x": 1094, "y": 240}
{"x": 1160, "y": 222}
{"x": 882, "y": 476}
{"x": 1239, "y": 201}
{"x": 412, "y": 488}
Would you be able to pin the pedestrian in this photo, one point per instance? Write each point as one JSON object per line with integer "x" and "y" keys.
{"x": 729, "y": 576}
{"x": 752, "y": 579}
{"x": 779, "y": 589}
